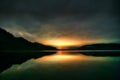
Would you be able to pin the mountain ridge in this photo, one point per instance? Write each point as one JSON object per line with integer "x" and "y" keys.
{"x": 9, "y": 42}
{"x": 100, "y": 46}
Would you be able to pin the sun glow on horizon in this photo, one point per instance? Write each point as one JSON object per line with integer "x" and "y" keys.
{"x": 62, "y": 43}
{"x": 66, "y": 43}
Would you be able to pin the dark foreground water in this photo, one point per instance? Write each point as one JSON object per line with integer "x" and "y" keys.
{"x": 65, "y": 65}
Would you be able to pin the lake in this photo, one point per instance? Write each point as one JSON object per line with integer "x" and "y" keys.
{"x": 65, "y": 65}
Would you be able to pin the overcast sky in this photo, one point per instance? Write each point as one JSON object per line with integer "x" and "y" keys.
{"x": 90, "y": 20}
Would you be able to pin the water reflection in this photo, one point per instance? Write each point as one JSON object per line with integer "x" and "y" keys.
{"x": 67, "y": 56}
{"x": 65, "y": 65}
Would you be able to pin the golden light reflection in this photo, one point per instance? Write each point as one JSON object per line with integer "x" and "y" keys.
{"x": 59, "y": 57}
{"x": 63, "y": 56}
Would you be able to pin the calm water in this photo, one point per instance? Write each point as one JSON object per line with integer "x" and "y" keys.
{"x": 65, "y": 65}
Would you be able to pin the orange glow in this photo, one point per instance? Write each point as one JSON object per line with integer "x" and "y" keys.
{"x": 62, "y": 43}
{"x": 66, "y": 57}
{"x": 59, "y": 57}
{"x": 62, "y": 56}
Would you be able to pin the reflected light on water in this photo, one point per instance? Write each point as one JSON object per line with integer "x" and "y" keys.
{"x": 65, "y": 65}
{"x": 59, "y": 57}
{"x": 65, "y": 57}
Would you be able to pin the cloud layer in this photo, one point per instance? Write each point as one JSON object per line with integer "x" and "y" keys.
{"x": 96, "y": 21}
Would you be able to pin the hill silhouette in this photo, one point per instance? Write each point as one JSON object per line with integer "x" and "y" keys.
{"x": 15, "y": 50}
{"x": 9, "y": 42}
{"x": 101, "y": 46}
{"x": 101, "y": 49}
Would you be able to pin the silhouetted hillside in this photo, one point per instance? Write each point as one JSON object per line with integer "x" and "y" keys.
{"x": 111, "y": 49}
{"x": 9, "y": 42}
{"x": 17, "y": 50}
{"x": 102, "y": 46}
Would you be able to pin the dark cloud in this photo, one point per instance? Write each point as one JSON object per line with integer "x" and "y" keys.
{"x": 53, "y": 19}
{"x": 50, "y": 7}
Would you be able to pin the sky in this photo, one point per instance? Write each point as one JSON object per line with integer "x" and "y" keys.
{"x": 67, "y": 22}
